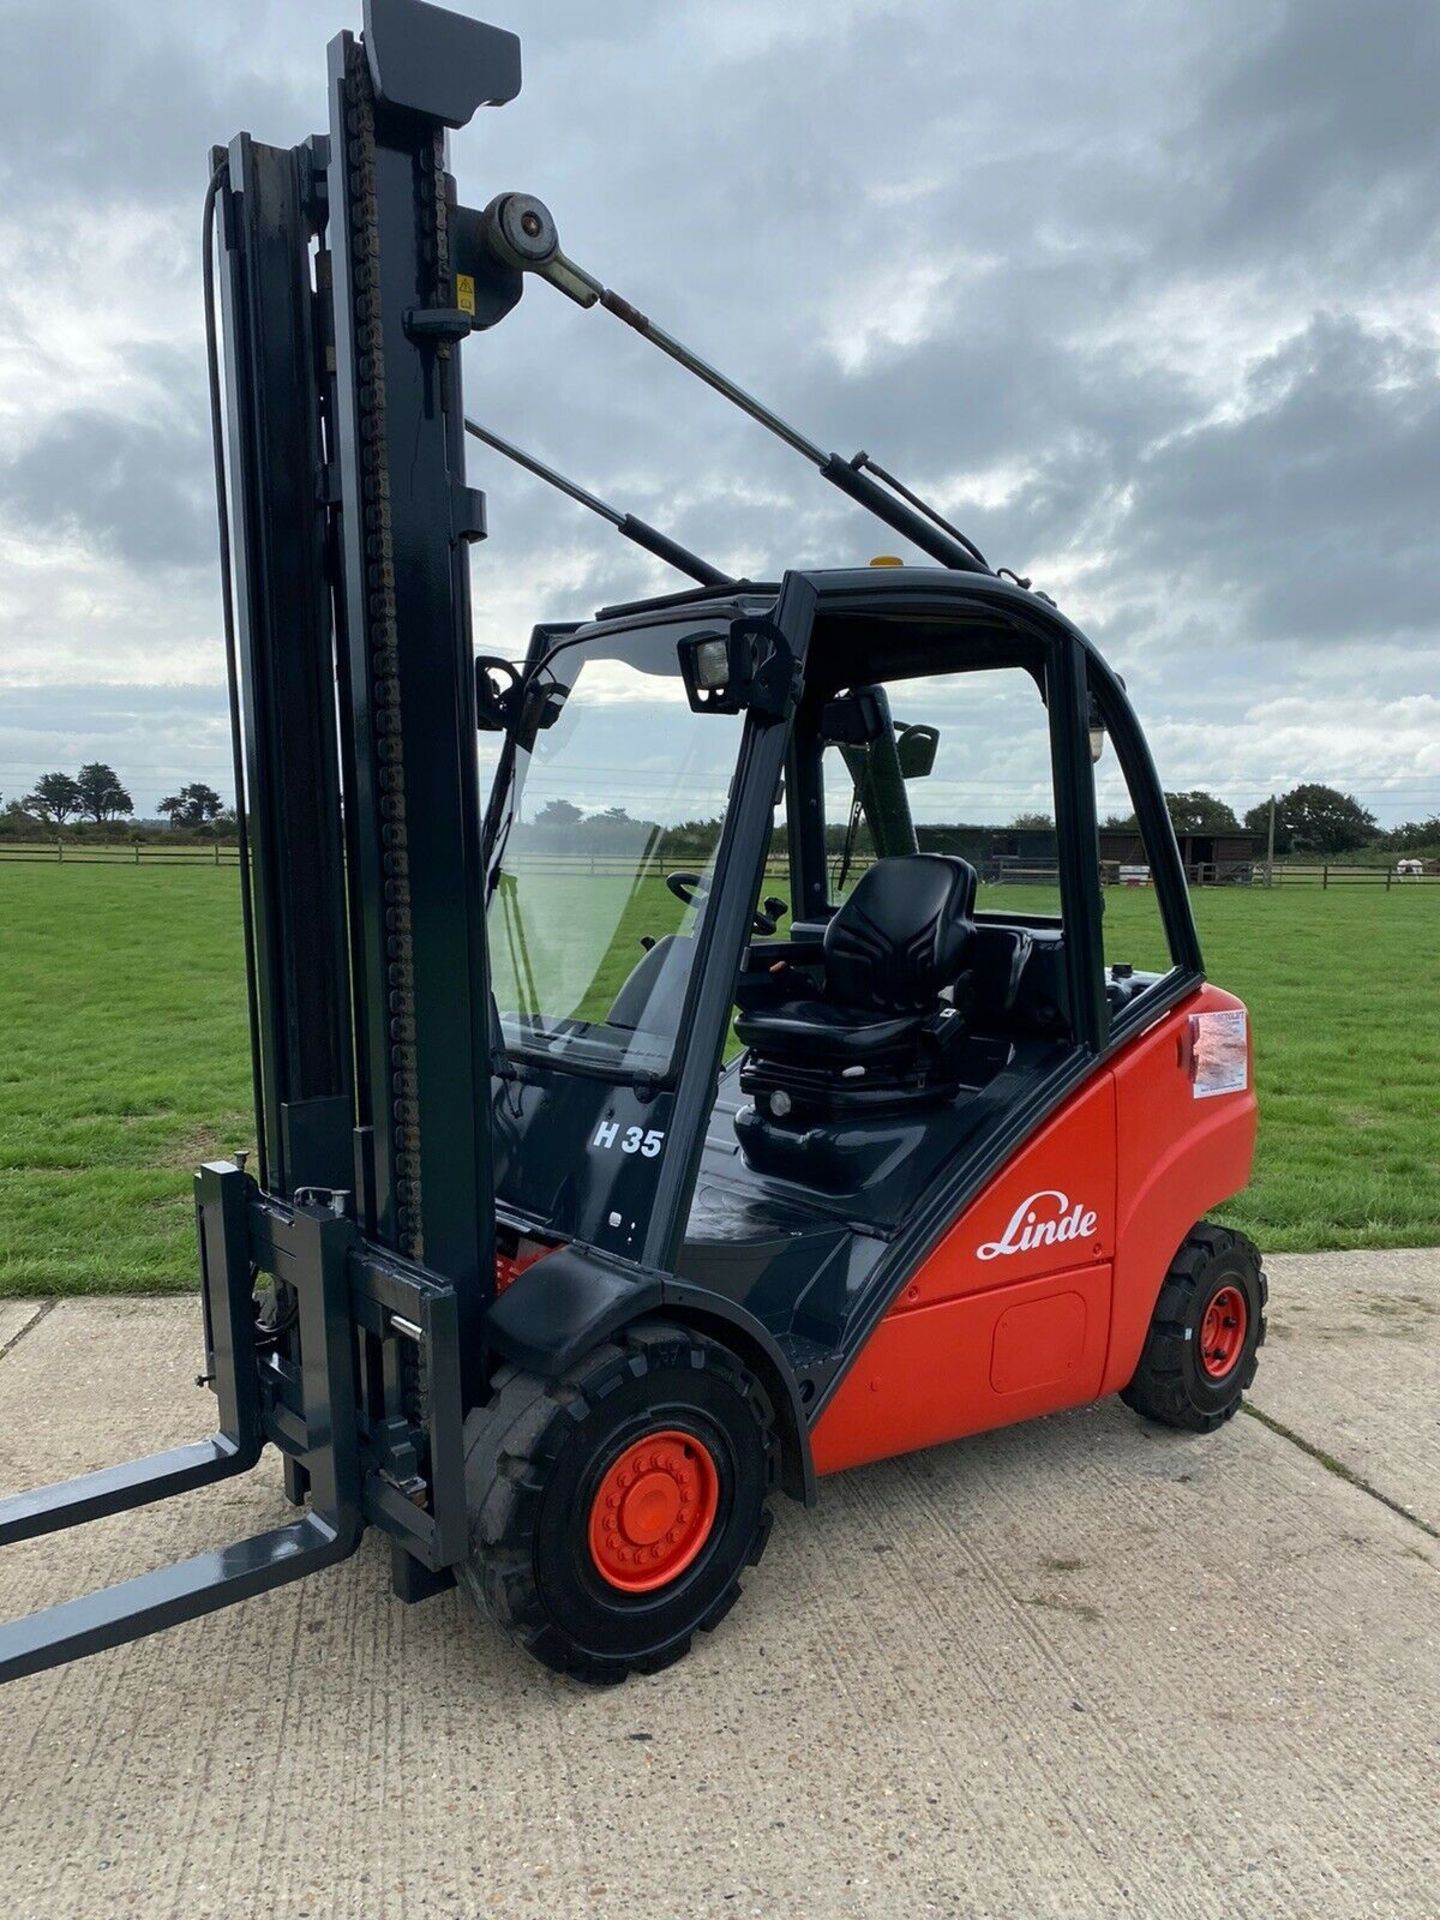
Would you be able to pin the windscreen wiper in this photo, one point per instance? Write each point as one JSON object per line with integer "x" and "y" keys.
{"x": 627, "y": 524}
{"x": 519, "y": 232}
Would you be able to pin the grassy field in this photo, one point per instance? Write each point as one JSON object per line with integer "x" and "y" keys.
{"x": 124, "y": 1061}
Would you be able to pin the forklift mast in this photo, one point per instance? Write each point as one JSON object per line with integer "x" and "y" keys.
{"x": 341, "y": 330}
{"x": 348, "y": 630}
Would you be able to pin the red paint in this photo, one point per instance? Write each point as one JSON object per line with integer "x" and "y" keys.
{"x": 510, "y": 1266}
{"x": 1176, "y": 1159}
{"x": 1073, "y": 1155}
{"x": 1008, "y": 1317}
{"x": 1040, "y": 1295}
{"x": 1038, "y": 1343}
{"x": 1222, "y": 1332}
{"x": 934, "y": 1373}
{"x": 654, "y": 1511}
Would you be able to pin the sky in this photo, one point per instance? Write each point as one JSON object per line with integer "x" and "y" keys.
{"x": 1142, "y": 295}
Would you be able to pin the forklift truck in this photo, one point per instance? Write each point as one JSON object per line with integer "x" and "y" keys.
{"x": 532, "y": 1271}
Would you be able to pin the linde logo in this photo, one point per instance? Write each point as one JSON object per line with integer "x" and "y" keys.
{"x": 1043, "y": 1220}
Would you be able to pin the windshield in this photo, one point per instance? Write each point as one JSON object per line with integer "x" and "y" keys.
{"x": 601, "y": 865}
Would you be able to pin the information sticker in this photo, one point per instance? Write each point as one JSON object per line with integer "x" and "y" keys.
{"x": 1221, "y": 1057}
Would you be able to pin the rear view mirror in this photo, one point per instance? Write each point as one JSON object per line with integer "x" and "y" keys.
{"x": 506, "y": 702}
{"x": 497, "y": 686}
{"x": 915, "y": 750}
{"x": 855, "y": 719}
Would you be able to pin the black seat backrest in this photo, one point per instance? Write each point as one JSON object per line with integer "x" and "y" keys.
{"x": 998, "y": 959}
{"x": 1018, "y": 980}
{"x": 902, "y": 935}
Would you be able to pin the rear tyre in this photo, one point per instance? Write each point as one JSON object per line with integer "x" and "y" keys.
{"x": 613, "y": 1510}
{"x": 1209, "y": 1325}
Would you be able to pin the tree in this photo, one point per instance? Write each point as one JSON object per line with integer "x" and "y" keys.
{"x": 195, "y": 805}
{"x": 1322, "y": 820}
{"x": 101, "y": 795}
{"x": 55, "y": 798}
{"x": 1257, "y": 820}
{"x": 1033, "y": 823}
{"x": 15, "y": 822}
{"x": 1411, "y": 836}
{"x": 693, "y": 841}
{"x": 1193, "y": 812}
{"x": 1200, "y": 812}
{"x": 559, "y": 813}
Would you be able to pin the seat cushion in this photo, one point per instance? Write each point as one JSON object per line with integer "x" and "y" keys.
{"x": 820, "y": 1031}
{"x": 891, "y": 954}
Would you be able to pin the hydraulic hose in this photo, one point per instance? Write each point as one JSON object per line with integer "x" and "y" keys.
{"x": 218, "y": 179}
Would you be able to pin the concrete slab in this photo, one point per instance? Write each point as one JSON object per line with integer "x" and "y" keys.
{"x": 1352, "y": 1366}
{"x": 1080, "y": 1668}
{"x": 15, "y": 1316}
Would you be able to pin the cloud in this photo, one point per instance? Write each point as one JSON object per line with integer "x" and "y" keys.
{"x": 142, "y": 489}
{"x": 1142, "y": 294}
{"x": 1327, "y": 131}
{"x": 1309, "y": 506}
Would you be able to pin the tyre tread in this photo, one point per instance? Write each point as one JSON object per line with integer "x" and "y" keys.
{"x": 515, "y": 1437}
{"x": 1158, "y": 1391}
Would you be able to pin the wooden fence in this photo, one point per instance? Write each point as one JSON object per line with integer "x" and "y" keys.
{"x": 98, "y": 854}
{"x": 1324, "y": 875}
{"x": 1341, "y": 874}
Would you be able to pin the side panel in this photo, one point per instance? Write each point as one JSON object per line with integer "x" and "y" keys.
{"x": 1123, "y": 1172}
{"x": 984, "y": 1360}
{"x": 1178, "y": 1158}
{"x": 579, "y": 1157}
{"x": 1009, "y": 1317}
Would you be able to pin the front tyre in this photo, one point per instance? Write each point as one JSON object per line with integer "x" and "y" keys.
{"x": 613, "y": 1510}
{"x": 1204, "y": 1340}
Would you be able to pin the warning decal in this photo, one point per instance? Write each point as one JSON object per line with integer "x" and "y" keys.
{"x": 1221, "y": 1057}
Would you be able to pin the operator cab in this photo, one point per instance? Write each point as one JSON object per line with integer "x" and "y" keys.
{"x": 814, "y": 949}
{"x": 905, "y": 990}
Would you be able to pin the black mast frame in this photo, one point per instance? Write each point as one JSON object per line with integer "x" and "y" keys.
{"x": 374, "y": 1223}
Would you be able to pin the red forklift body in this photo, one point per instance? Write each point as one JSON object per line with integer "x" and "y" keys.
{"x": 1041, "y": 1294}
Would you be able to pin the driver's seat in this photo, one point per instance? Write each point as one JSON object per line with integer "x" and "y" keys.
{"x": 895, "y": 988}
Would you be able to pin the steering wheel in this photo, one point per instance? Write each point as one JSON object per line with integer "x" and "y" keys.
{"x": 689, "y": 888}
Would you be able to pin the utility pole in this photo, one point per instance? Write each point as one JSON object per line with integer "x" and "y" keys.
{"x": 1270, "y": 849}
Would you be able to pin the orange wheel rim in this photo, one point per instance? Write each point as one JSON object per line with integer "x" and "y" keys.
{"x": 1222, "y": 1332}
{"x": 653, "y": 1511}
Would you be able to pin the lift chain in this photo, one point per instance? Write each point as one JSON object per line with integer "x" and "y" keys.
{"x": 383, "y": 638}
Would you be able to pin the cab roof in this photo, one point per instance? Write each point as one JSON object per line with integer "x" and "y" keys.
{"x": 890, "y": 593}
